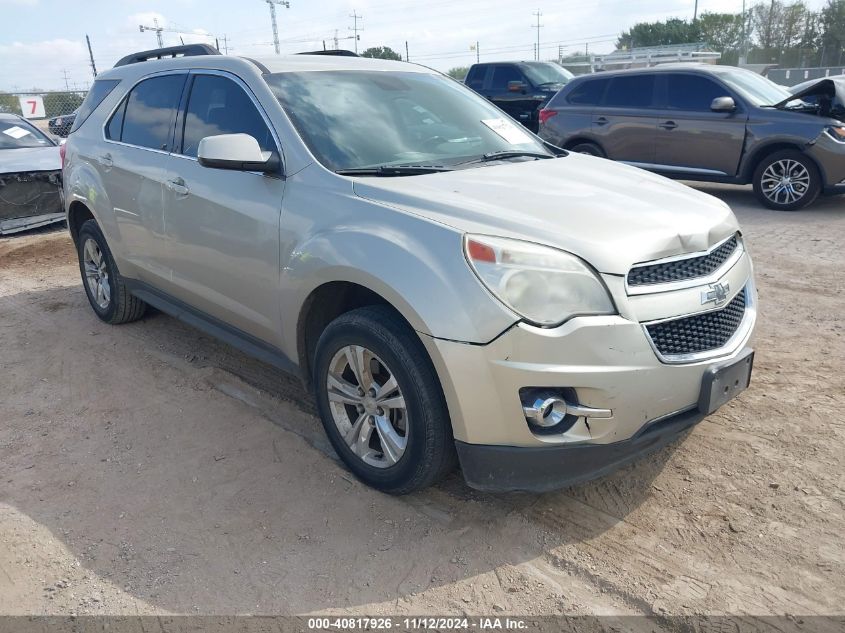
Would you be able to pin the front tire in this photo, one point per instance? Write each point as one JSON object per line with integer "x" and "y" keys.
{"x": 107, "y": 293}
{"x": 381, "y": 403}
{"x": 787, "y": 181}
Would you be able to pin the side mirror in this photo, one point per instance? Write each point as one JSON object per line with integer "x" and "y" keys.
{"x": 516, "y": 86}
{"x": 723, "y": 104}
{"x": 239, "y": 152}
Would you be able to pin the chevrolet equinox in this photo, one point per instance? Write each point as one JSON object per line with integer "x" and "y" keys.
{"x": 452, "y": 289}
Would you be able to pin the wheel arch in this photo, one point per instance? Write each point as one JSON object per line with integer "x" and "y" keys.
{"x": 579, "y": 140}
{"x": 77, "y": 214}
{"x": 761, "y": 153}
{"x": 323, "y": 305}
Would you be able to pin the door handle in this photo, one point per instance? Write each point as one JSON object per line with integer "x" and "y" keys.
{"x": 178, "y": 187}
{"x": 602, "y": 121}
{"x": 668, "y": 125}
{"x": 106, "y": 161}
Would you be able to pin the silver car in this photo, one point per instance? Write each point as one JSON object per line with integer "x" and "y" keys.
{"x": 452, "y": 289}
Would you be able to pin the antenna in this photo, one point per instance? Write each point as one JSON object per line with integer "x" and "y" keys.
{"x": 272, "y": 4}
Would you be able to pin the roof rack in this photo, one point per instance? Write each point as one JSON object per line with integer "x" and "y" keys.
{"x": 188, "y": 50}
{"x": 338, "y": 52}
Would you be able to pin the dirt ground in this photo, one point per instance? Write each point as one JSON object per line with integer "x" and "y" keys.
{"x": 148, "y": 469}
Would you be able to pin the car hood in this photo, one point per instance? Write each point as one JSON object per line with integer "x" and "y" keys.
{"x": 833, "y": 90}
{"x": 609, "y": 214}
{"x": 45, "y": 158}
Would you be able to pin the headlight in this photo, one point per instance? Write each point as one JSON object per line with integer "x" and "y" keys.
{"x": 542, "y": 284}
{"x": 837, "y": 132}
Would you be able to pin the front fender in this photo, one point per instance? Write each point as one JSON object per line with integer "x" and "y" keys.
{"x": 416, "y": 265}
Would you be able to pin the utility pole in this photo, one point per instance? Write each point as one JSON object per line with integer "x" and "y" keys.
{"x": 407, "y": 56}
{"x": 695, "y": 12}
{"x": 537, "y": 26}
{"x": 355, "y": 17}
{"x": 272, "y": 4}
{"x": 743, "y": 57}
{"x": 64, "y": 72}
{"x": 91, "y": 56}
{"x": 155, "y": 28}
{"x": 225, "y": 44}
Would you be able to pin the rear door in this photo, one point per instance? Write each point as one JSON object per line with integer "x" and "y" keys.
{"x": 625, "y": 123}
{"x": 690, "y": 136}
{"x": 223, "y": 225}
{"x": 139, "y": 135}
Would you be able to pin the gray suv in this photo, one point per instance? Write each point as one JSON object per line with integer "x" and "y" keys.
{"x": 448, "y": 287}
{"x": 710, "y": 123}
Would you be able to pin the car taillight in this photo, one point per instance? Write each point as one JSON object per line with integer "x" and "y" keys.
{"x": 546, "y": 114}
{"x": 62, "y": 149}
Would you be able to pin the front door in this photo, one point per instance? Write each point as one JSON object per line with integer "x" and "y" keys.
{"x": 223, "y": 225}
{"x": 691, "y": 138}
{"x": 625, "y": 124}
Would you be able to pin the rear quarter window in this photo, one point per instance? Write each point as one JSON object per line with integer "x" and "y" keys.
{"x": 99, "y": 91}
{"x": 587, "y": 93}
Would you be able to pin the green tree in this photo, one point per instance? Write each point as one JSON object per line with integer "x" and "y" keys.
{"x": 832, "y": 31}
{"x": 382, "y": 52}
{"x": 721, "y": 31}
{"x": 458, "y": 72}
{"x": 672, "y": 31}
{"x": 9, "y": 104}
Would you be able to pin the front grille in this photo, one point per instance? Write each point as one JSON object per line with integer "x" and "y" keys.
{"x": 681, "y": 269}
{"x": 698, "y": 333}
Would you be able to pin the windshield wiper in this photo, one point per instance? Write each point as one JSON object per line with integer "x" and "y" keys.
{"x": 507, "y": 153}
{"x": 392, "y": 170}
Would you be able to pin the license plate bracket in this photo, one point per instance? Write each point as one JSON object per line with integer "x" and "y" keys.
{"x": 724, "y": 382}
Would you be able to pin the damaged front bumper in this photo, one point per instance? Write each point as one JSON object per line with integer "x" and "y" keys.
{"x": 29, "y": 199}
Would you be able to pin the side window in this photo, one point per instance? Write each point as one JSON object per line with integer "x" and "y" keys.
{"x": 150, "y": 110}
{"x": 115, "y": 126}
{"x": 475, "y": 77}
{"x": 588, "y": 92}
{"x": 502, "y": 75}
{"x": 218, "y": 105}
{"x": 692, "y": 92}
{"x": 630, "y": 91}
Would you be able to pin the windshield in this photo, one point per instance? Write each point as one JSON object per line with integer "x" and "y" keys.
{"x": 756, "y": 88}
{"x": 360, "y": 119}
{"x": 545, "y": 73}
{"x": 17, "y": 134}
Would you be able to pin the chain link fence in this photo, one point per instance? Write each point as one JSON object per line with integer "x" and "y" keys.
{"x": 51, "y": 111}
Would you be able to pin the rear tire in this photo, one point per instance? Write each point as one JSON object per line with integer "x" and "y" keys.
{"x": 107, "y": 293}
{"x": 787, "y": 181}
{"x": 591, "y": 149}
{"x": 388, "y": 422}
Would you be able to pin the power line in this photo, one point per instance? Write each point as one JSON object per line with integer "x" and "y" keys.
{"x": 91, "y": 55}
{"x": 155, "y": 28}
{"x": 355, "y": 17}
{"x": 272, "y": 4}
{"x": 538, "y": 26}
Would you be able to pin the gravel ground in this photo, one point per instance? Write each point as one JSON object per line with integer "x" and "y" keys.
{"x": 148, "y": 469}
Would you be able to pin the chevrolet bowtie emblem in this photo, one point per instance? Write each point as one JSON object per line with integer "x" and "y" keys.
{"x": 717, "y": 294}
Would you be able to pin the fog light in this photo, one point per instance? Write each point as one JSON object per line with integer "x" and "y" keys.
{"x": 555, "y": 410}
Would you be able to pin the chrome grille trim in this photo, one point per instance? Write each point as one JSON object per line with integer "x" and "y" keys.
{"x": 687, "y": 282}
{"x": 734, "y": 343}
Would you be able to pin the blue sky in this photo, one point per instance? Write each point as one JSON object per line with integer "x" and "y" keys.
{"x": 41, "y": 39}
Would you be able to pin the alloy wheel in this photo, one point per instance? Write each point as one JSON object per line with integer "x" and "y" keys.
{"x": 785, "y": 181}
{"x": 96, "y": 273}
{"x": 367, "y": 406}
